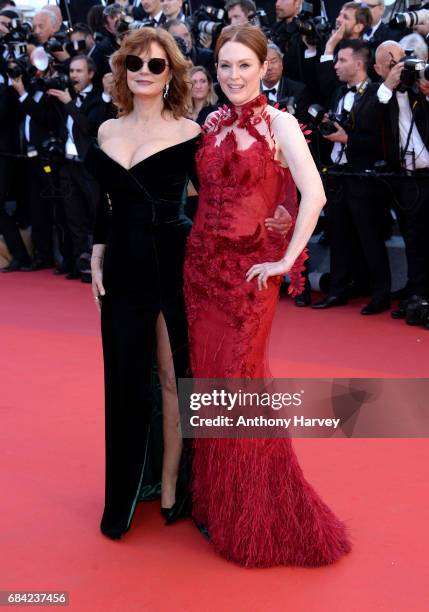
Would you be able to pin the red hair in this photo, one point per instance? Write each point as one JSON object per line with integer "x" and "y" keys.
{"x": 248, "y": 35}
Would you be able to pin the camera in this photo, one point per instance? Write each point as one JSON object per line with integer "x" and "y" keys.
{"x": 127, "y": 23}
{"x": 208, "y": 20}
{"x": 315, "y": 29}
{"x": 401, "y": 21}
{"x": 52, "y": 152}
{"x": 56, "y": 43}
{"x": 61, "y": 81}
{"x": 327, "y": 126}
{"x": 14, "y": 43}
{"x": 74, "y": 47}
{"x": 413, "y": 67}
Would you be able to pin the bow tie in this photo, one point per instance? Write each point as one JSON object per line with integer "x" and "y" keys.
{"x": 345, "y": 89}
{"x": 81, "y": 96}
{"x": 273, "y": 91}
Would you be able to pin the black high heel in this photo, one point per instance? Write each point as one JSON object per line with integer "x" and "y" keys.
{"x": 180, "y": 509}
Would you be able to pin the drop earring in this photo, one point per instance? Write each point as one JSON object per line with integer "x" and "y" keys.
{"x": 166, "y": 89}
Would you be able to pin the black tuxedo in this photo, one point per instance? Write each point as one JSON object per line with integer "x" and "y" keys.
{"x": 390, "y": 113}
{"x": 79, "y": 188}
{"x": 87, "y": 118}
{"x": 45, "y": 121}
{"x": 288, "y": 88}
{"x": 8, "y": 144}
{"x": 356, "y": 212}
{"x": 363, "y": 147}
{"x": 384, "y": 32}
{"x": 410, "y": 196}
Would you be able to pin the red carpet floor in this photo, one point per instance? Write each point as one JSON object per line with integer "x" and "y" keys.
{"x": 53, "y": 456}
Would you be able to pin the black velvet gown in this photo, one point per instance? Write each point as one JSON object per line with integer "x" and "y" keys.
{"x": 140, "y": 218}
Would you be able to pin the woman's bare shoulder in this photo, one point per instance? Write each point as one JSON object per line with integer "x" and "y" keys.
{"x": 189, "y": 128}
{"x": 281, "y": 119}
{"x": 108, "y": 128}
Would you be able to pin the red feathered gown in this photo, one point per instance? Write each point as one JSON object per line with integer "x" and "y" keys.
{"x": 250, "y": 494}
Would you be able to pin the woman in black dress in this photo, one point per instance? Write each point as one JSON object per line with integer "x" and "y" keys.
{"x": 143, "y": 161}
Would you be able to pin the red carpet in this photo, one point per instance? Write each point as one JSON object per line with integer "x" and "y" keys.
{"x": 52, "y": 472}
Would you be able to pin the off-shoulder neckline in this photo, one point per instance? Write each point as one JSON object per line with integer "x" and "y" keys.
{"x": 178, "y": 144}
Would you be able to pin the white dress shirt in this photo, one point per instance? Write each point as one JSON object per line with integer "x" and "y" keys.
{"x": 417, "y": 155}
{"x": 338, "y": 155}
{"x": 272, "y": 96}
{"x": 36, "y": 97}
{"x": 71, "y": 150}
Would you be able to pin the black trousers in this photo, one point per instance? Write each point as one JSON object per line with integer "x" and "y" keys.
{"x": 410, "y": 200}
{"x": 355, "y": 217}
{"x": 8, "y": 225}
{"x": 41, "y": 196}
{"x": 80, "y": 194}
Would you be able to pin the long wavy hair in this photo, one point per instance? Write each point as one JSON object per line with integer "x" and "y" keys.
{"x": 178, "y": 100}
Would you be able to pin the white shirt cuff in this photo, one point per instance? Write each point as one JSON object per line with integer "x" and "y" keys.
{"x": 326, "y": 58}
{"x": 384, "y": 94}
{"x": 106, "y": 97}
{"x": 22, "y": 98}
{"x": 310, "y": 53}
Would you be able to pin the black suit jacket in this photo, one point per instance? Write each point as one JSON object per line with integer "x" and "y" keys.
{"x": 45, "y": 120}
{"x": 289, "y": 88}
{"x": 87, "y": 118}
{"x": 364, "y": 145}
{"x": 390, "y": 125}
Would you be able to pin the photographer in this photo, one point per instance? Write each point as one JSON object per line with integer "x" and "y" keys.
{"x": 353, "y": 20}
{"x": 301, "y": 59}
{"x": 45, "y": 25}
{"x": 379, "y": 31}
{"x": 402, "y": 97}
{"x": 197, "y": 55}
{"x": 172, "y": 9}
{"x": 354, "y": 211}
{"x": 84, "y": 114}
{"x": 112, "y": 16}
{"x": 82, "y": 33}
{"x": 8, "y": 132}
{"x": 281, "y": 90}
{"x": 240, "y": 11}
{"x": 150, "y": 9}
{"x": 40, "y": 121}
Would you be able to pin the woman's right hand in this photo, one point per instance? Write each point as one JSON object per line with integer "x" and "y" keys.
{"x": 98, "y": 290}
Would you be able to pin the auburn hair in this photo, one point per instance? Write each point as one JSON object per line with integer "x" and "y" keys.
{"x": 133, "y": 43}
{"x": 249, "y": 35}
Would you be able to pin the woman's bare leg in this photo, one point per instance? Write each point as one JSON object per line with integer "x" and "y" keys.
{"x": 170, "y": 415}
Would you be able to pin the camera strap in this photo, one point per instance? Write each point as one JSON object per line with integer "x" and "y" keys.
{"x": 404, "y": 150}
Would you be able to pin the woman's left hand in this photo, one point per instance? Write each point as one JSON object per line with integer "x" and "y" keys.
{"x": 264, "y": 270}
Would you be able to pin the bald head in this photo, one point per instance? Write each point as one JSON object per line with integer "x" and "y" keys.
{"x": 388, "y": 54}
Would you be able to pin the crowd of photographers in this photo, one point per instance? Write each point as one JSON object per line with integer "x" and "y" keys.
{"x": 358, "y": 82}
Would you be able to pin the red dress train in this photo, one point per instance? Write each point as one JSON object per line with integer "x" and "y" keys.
{"x": 250, "y": 494}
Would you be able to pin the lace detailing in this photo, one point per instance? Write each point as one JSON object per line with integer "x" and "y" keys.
{"x": 229, "y": 319}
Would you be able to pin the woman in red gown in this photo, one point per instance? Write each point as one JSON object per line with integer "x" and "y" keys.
{"x": 250, "y": 494}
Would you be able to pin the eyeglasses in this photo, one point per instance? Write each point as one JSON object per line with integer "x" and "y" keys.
{"x": 156, "y": 65}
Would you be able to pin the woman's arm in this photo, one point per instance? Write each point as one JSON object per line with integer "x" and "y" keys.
{"x": 306, "y": 177}
{"x": 296, "y": 153}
